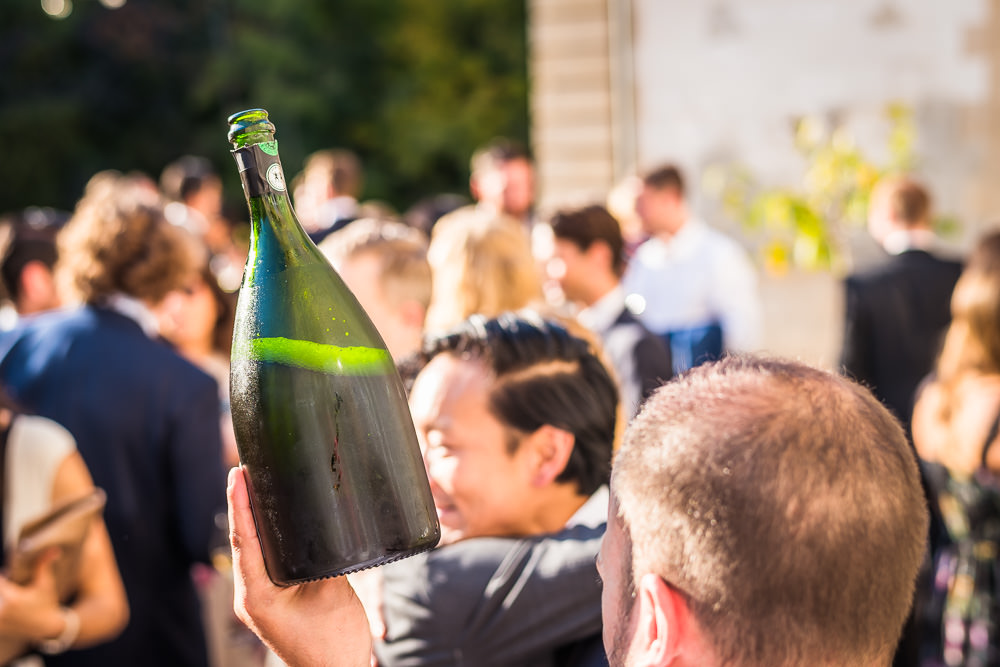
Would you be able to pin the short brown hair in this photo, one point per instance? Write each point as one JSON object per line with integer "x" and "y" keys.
{"x": 665, "y": 177}
{"x": 908, "y": 201}
{"x": 340, "y": 167}
{"x": 118, "y": 241}
{"x": 589, "y": 225}
{"x": 401, "y": 250}
{"x": 784, "y": 502}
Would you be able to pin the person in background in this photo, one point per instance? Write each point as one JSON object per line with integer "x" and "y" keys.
{"x": 502, "y": 180}
{"x": 896, "y": 313}
{"x": 326, "y": 192}
{"x": 41, "y": 471}
{"x": 145, "y": 420}
{"x": 689, "y": 283}
{"x": 27, "y": 259}
{"x": 588, "y": 263}
{"x": 762, "y": 512}
{"x": 480, "y": 264}
{"x": 385, "y": 265}
{"x": 956, "y": 423}
{"x": 621, "y": 204}
{"x": 197, "y": 320}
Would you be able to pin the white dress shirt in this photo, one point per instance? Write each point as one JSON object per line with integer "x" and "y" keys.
{"x": 697, "y": 278}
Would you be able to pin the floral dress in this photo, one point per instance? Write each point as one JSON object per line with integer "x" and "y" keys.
{"x": 963, "y": 609}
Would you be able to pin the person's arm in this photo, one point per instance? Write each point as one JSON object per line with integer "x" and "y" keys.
{"x": 855, "y": 355}
{"x": 320, "y": 623}
{"x": 100, "y": 607}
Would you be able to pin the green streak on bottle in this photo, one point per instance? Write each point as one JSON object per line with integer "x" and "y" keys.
{"x": 316, "y": 356}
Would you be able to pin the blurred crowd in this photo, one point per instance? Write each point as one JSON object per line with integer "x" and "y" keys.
{"x": 114, "y": 362}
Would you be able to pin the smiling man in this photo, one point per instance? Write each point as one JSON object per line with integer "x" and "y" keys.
{"x": 516, "y": 418}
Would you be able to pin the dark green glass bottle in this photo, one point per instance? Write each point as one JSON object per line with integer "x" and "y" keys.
{"x": 334, "y": 471}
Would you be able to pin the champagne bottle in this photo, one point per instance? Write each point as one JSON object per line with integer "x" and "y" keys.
{"x": 334, "y": 470}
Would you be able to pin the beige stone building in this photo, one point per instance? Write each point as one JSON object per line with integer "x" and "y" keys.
{"x": 619, "y": 86}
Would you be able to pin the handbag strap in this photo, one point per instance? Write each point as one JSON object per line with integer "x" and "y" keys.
{"x": 994, "y": 429}
{"x": 3, "y": 484}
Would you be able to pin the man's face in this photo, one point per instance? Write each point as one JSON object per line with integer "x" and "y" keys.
{"x": 479, "y": 488}
{"x": 509, "y": 188}
{"x": 569, "y": 267}
{"x": 660, "y": 210}
{"x": 616, "y": 595}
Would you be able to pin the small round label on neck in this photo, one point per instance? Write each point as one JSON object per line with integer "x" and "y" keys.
{"x": 269, "y": 147}
{"x": 276, "y": 177}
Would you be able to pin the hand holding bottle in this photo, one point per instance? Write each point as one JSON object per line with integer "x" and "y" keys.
{"x": 316, "y": 623}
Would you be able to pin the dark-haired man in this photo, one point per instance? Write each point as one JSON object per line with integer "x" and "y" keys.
{"x": 762, "y": 513}
{"x": 690, "y": 283}
{"x": 28, "y": 254}
{"x": 588, "y": 262}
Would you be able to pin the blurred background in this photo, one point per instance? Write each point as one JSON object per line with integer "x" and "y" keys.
{"x": 783, "y": 113}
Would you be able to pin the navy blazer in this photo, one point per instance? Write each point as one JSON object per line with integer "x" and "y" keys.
{"x": 146, "y": 421}
{"x": 896, "y": 316}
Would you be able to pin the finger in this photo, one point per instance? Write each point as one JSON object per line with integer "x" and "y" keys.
{"x": 248, "y": 563}
{"x": 45, "y": 566}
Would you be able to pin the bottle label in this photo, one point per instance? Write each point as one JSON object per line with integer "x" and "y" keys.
{"x": 260, "y": 169}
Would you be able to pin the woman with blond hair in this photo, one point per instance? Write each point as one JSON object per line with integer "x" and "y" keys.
{"x": 145, "y": 419}
{"x": 480, "y": 264}
{"x": 955, "y": 431}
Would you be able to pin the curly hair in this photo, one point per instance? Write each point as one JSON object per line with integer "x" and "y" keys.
{"x": 118, "y": 241}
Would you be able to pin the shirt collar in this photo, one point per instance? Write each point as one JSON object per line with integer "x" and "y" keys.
{"x": 899, "y": 241}
{"x": 600, "y": 315}
{"x": 135, "y": 310}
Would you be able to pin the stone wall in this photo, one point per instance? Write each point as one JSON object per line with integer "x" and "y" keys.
{"x": 621, "y": 85}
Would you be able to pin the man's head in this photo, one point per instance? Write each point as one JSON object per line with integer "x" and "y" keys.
{"x": 326, "y": 174}
{"x": 769, "y": 510}
{"x": 503, "y": 177}
{"x": 661, "y": 202}
{"x": 898, "y": 204}
{"x": 516, "y": 418}
{"x": 192, "y": 180}
{"x": 385, "y": 265}
{"x": 28, "y": 256}
{"x": 589, "y": 255}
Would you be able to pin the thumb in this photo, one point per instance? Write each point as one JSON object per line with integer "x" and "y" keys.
{"x": 44, "y": 572}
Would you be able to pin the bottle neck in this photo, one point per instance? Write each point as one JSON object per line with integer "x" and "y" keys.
{"x": 260, "y": 170}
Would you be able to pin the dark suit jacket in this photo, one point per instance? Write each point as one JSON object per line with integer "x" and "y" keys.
{"x": 146, "y": 421}
{"x": 896, "y": 316}
{"x": 641, "y": 359}
{"x": 531, "y": 602}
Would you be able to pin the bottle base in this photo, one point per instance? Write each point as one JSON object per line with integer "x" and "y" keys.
{"x": 365, "y": 565}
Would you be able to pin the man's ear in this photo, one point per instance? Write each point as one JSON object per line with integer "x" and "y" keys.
{"x": 550, "y": 450}
{"x": 664, "y": 622}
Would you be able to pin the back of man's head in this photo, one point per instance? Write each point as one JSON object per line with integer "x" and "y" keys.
{"x": 404, "y": 273}
{"x": 588, "y": 225}
{"x": 786, "y": 506}
{"x": 898, "y": 203}
{"x": 543, "y": 375}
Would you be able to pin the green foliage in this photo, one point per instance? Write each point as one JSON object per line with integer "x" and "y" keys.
{"x": 412, "y": 87}
{"x": 806, "y": 226}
